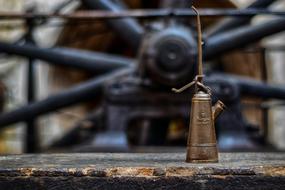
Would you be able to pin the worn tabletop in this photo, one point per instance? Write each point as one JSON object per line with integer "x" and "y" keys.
{"x": 141, "y": 171}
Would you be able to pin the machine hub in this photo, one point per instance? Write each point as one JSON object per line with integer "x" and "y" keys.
{"x": 169, "y": 56}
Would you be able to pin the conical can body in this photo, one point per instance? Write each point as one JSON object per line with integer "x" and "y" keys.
{"x": 201, "y": 144}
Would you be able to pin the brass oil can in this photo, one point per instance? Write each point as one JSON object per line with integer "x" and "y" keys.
{"x": 201, "y": 143}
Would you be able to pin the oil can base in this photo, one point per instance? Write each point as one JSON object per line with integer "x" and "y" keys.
{"x": 202, "y": 161}
{"x": 202, "y": 154}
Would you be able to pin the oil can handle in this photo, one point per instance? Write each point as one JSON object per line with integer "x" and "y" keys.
{"x": 197, "y": 83}
{"x": 184, "y": 87}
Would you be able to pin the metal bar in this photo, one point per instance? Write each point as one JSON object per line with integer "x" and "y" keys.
{"x": 227, "y": 41}
{"x": 31, "y": 143}
{"x": 83, "y": 92}
{"x": 141, "y": 13}
{"x": 261, "y": 90}
{"x": 230, "y": 23}
{"x": 93, "y": 62}
{"x": 249, "y": 87}
{"x": 128, "y": 28}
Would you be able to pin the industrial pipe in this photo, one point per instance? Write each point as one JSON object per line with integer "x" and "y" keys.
{"x": 128, "y": 28}
{"x": 231, "y": 23}
{"x": 227, "y": 41}
{"x": 83, "y": 92}
{"x": 248, "y": 86}
{"x": 96, "y": 63}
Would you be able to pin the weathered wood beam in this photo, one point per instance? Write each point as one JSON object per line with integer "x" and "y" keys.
{"x": 141, "y": 171}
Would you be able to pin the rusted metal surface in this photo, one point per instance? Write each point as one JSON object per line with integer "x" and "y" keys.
{"x": 141, "y": 171}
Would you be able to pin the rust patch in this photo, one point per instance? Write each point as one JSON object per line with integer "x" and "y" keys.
{"x": 27, "y": 171}
{"x": 272, "y": 170}
{"x": 180, "y": 171}
{"x": 130, "y": 171}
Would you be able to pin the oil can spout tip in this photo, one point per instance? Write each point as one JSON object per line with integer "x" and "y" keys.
{"x": 218, "y": 108}
{"x": 222, "y": 104}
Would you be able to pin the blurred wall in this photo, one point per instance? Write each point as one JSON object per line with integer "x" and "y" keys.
{"x": 276, "y": 74}
{"x": 13, "y": 73}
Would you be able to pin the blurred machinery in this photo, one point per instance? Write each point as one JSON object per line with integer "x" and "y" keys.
{"x": 138, "y": 107}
